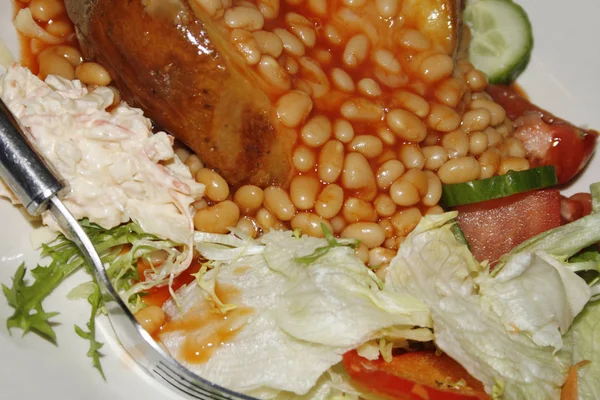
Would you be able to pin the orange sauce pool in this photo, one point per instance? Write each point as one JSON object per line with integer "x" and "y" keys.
{"x": 205, "y": 329}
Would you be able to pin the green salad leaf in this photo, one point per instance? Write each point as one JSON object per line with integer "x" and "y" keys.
{"x": 119, "y": 248}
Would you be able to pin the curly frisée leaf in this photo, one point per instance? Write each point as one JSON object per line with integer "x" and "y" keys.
{"x": 119, "y": 248}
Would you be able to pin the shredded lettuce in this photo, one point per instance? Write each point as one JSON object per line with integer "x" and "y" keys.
{"x": 490, "y": 324}
{"x": 305, "y": 313}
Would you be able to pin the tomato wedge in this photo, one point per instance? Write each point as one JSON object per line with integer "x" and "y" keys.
{"x": 547, "y": 139}
{"x": 493, "y": 228}
{"x": 418, "y": 375}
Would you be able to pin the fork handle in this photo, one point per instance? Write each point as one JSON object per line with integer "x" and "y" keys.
{"x": 22, "y": 168}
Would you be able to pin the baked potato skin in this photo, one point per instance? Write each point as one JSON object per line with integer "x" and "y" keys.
{"x": 165, "y": 61}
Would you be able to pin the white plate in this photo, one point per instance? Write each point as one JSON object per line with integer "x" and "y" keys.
{"x": 562, "y": 77}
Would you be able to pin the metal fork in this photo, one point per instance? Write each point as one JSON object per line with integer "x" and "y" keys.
{"x": 38, "y": 187}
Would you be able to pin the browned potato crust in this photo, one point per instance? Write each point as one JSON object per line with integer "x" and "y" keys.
{"x": 167, "y": 61}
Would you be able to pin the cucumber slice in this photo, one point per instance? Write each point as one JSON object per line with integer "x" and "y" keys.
{"x": 502, "y": 38}
{"x": 496, "y": 187}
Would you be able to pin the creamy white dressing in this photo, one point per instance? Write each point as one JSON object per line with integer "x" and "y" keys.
{"x": 116, "y": 168}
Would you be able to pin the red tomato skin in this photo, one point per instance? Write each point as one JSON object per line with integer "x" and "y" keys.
{"x": 548, "y": 140}
{"x": 493, "y": 228}
{"x": 413, "y": 376}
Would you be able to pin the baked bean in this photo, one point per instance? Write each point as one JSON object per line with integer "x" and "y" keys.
{"x": 194, "y": 163}
{"x": 216, "y": 188}
{"x": 182, "y": 153}
{"x": 412, "y": 102}
{"x": 388, "y": 228}
{"x": 304, "y": 158}
{"x": 369, "y": 87}
{"x": 435, "y": 210}
{"x": 339, "y": 223}
{"x": 217, "y": 218}
{"x": 332, "y": 34}
{"x": 362, "y": 252}
{"x": 384, "y": 205}
{"x": 393, "y": 243}
{"x": 478, "y": 143}
{"x": 245, "y": 44}
{"x": 388, "y": 173}
{"x": 356, "y": 50}
{"x": 404, "y": 221}
{"x": 406, "y": 125}
{"x": 458, "y": 170}
{"x": 436, "y": 67}
{"x": 476, "y": 120}
{"x": 456, "y": 143}
{"x": 450, "y": 92}
{"x": 304, "y": 190}
{"x": 361, "y": 110}
{"x": 380, "y": 257}
{"x": 266, "y": 220}
{"x": 92, "y": 73}
{"x": 368, "y": 145}
{"x": 413, "y": 39}
{"x": 278, "y": 201}
{"x": 386, "y": 60}
{"x": 355, "y": 210}
{"x": 512, "y": 164}
{"x": 273, "y": 73}
{"x": 506, "y": 127}
{"x": 404, "y": 193}
{"x": 477, "y": 80}
{"x": 151, "y": 318}
{"x": 330, "y": 201}
{"x": 435, "y": 157}
{"x": 248, "y": 226}
{"x": 316, "y": 131}
{"x": 442, "y": 118}
{"x": 302, "y": 28}
{"x": 386, "y": 136}
{"x": 200, "y": 204}
{"x": 293, "y": 108}
{"x": 497, "y": 111}
{"x": 268, "y": 8}
{"x": 291, "y": 44}
{"x": 53, "y": 64}
{"x": 514, "y": 147}
{"x": 432, "y": 139}
{"x": 357, "y": 173}
{"x": 489, "y": 162}
{"x": 368, "y": 233}
{"x": 342, "y": 80}
{"x": 434, "y": 190}
{"x": 355, "y": 3}
{"x": 310, "y": 224}
{"x": 249, "y": 198}
{"x": 343, "y": 130}
{"x": 331, "y": 161}
{"x": 381, "y": 272}
{"x": 494, "y": 137}
{"x": 319, "y": 7}
{"x": 59, "y": 28}
{"x": 268, "y": 43}
{"x": 247, "y": 18}
{"x": 418, "y": 178}
{"x": 46, "y": 10}
{"x": 411, "y": 156}
{"x": 214, "y": 8}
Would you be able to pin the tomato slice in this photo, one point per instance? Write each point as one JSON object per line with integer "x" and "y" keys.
{"x": 418, "y": 375}
{"x": 493, "y": 228}
{"x": 547, "y": 139}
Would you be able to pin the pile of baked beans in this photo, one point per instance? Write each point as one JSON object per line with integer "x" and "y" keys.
{"x": 384, "y": 117}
